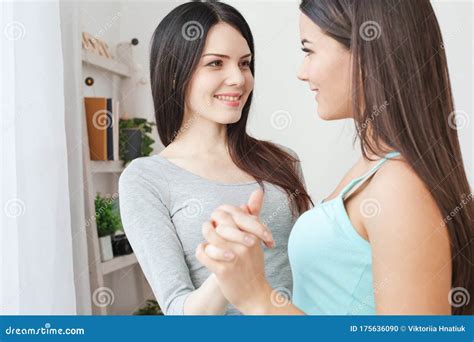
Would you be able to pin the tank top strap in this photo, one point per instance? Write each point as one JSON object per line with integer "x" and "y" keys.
{"x": 357, "y": 182}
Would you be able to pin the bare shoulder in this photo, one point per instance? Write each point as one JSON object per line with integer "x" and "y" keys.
{"x": 397, "y": 174}
{"x": 404, "y": 202}
{"x": 403, "y": 195}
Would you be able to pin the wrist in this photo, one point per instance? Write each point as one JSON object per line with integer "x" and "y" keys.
{"x": 216, "y": 288}
{"x": 260, "y": 303}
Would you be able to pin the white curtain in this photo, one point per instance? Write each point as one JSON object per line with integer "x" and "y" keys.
{"x": 36, "y": 240}
{"x": 76, "y": 135}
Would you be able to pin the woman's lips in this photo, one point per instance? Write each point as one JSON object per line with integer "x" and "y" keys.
{"x": 316, "y": 91}
{"x": 231, "y": 100}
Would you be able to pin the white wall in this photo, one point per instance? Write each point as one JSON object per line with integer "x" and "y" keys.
{"x": 455, "y": 19}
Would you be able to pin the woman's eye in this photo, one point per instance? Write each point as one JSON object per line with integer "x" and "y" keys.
{"x": 245, "y": 64}
{"x": 305, "y": 50}
{"x": 215, "y": 63}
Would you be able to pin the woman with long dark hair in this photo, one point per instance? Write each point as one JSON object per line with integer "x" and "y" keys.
{"x": 396, "y": 235}
{"x": 202, "y": 66}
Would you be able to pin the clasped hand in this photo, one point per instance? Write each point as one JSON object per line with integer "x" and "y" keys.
{"x": 233, "y": 252}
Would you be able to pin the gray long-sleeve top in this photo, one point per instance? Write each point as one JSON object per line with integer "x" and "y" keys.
{"x": 163, "y": 207}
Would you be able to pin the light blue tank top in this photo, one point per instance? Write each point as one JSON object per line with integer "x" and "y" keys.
{"x": 331, "y": 263}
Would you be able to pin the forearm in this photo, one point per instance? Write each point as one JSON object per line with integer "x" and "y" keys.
{"x": 206, "y": 300}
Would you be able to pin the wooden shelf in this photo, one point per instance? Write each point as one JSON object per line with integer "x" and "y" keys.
{"x": 118, "y": 263}
{"x": 107, "y": 64}
{"x": 107, "y": 166}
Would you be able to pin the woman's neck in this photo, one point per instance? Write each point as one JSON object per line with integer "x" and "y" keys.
{"x": 198, "y": 136}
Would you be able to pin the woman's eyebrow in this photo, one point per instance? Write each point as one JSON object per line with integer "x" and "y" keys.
{"x": 225, "y": 56}
{"x": 305, "y": 41}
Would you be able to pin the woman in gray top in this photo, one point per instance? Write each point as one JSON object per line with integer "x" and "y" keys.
{"x": 202, "y": 67}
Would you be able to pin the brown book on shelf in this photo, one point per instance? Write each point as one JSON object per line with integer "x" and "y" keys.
{"x": 97, "y": 123}
{"x": 116, "y": 115}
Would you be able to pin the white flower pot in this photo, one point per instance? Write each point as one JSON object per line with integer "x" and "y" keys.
{"x": 105, "y": 244}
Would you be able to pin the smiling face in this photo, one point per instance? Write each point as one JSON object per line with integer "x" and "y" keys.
{"x": 222, "y": 81}
{"x": 327, "y": 69}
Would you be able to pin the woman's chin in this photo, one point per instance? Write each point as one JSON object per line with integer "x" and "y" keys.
{"x": 329, "y": 116}
{"x": 324, "y": 115}
{"x": 235, "y": 119}
{"x": 229, "y": 118}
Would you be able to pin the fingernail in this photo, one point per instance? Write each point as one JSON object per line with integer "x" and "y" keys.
{"x": 248, "y": 240}
{"x": 229, "y": 255}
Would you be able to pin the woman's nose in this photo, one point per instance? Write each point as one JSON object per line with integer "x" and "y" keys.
{"x": 236, "y": 77}
{"x": 302, "y": 73}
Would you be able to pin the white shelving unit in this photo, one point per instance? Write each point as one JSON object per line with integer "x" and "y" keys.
{"x": 98, "y": 172}
{"x": 105, "y": 64}
{"x": 118, "y": 263}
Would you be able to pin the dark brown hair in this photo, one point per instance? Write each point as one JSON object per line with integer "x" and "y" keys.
{"x": 176, "y": 49}
{"x": 399, "y": 65}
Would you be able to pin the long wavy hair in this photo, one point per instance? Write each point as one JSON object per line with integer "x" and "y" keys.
{"x": 403, "y": 102}
{"x": 176, "y": 48}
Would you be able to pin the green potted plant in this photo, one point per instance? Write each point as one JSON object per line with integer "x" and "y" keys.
{"x": 108, "y": 221}
{"x": 151, "y": 308}
{"x": 135, "y": 139}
